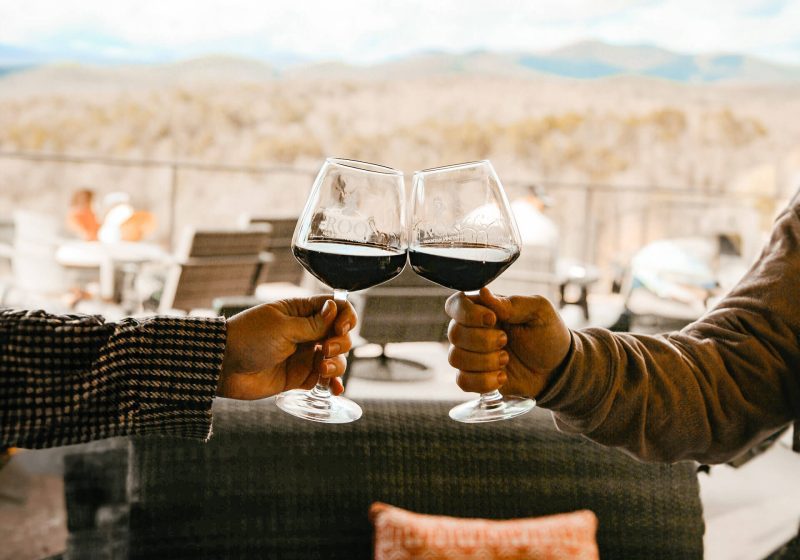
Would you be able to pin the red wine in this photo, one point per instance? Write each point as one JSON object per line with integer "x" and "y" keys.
{"x": 461, "y": 267}
{"x": 350, "y": 266}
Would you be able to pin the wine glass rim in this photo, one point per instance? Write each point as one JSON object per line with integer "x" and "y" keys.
{"x": 364, "y": 166}
{"x": 453, "y": 166}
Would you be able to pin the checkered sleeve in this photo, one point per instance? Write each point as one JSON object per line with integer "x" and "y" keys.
{"x": 71, "y": 379}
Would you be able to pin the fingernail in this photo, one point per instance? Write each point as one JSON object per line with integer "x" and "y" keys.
{"x": 488, "y": 319}
{"x": 333, "y": 349}
{"x": 503, "y": 358}
{"x": 502, "y": 378}
{"x": 330, "y": 368}
{"x": 346, "y": 328}
{"x": 328, "y": 309}
{"x": 502, "y": 340}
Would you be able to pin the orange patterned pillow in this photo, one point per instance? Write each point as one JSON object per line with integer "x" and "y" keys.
{"x": 405, "y": 535}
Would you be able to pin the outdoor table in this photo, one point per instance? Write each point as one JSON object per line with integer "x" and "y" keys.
{"x": 107, "y": 257}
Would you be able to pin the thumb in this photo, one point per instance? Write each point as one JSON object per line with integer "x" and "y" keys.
{"x": 514, "y": 309}
{"x": 313, "y": 327}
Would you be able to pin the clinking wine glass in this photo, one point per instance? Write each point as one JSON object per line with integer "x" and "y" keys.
{"x": 351, "y": 236}
{"x": 463, "y": 236}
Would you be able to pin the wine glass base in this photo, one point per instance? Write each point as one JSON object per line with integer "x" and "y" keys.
{"x": 475, "y": 412}
{"x": 328, "y": 410}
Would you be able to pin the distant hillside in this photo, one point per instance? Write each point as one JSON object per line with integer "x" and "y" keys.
{"x": 14, "y": 59}
{"x": 72, "y": 77}
{"x": 587, "y": 59}
{"x": 593, "y": 59}
{"x": 583, "y": 60}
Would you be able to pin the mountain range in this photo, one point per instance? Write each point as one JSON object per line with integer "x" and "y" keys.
{"x": 583, "y": 60}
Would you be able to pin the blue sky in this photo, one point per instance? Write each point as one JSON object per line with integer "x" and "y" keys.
{"x": 363, "y": 31}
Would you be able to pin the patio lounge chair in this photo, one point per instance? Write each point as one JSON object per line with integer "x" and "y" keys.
{"x": 211, "y": 264}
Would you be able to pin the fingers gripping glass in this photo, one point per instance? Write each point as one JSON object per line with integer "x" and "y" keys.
{"x": 351, "y": 236}
{"x": 463, "y": 236}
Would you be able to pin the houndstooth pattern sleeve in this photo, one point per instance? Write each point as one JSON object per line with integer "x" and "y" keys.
{"x": 71, "y": 379}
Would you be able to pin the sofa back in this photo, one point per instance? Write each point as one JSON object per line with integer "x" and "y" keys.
{"x": 271, "y": 486}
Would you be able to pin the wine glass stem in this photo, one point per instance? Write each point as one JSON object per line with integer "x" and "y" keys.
{"x": 322, "y": 388}
{"x": 491, "y": 400}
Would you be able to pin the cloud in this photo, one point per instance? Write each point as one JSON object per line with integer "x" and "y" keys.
{"x": 360, "y": 31}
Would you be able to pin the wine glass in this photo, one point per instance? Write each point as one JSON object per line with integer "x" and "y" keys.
{"x": 351, "y": 236}
{"x": 463, "y": 236}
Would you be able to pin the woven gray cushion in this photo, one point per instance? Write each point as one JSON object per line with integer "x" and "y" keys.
{"x": 272, "y": 486}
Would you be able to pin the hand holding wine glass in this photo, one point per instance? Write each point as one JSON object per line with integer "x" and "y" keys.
{"x": 350, "y": 237}
{"x": 463, "y": 236}
{"x": 272, "y": 347}
{"x": 527, "y": 329}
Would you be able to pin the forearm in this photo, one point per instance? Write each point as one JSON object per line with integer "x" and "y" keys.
{"x": 67, "y": 380}
{"x": 671, "y": 397}
{"x": 708, "y": 392}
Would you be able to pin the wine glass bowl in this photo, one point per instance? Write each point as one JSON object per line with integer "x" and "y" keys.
{"x": 350, "y": 236}
{"x": 463, "y": 236}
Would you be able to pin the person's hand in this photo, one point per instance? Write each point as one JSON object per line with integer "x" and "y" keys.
{"x": 511, "y": 343}
{"x": 273, "y": 347}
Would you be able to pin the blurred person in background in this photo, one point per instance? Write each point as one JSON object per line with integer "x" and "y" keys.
{"x": 81, "y": 218}
{"x": 708, "y": 392}
{"x": 535, "y": 227}
{"x": 122, "y": 222}
{"x": 71, "y": 379}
